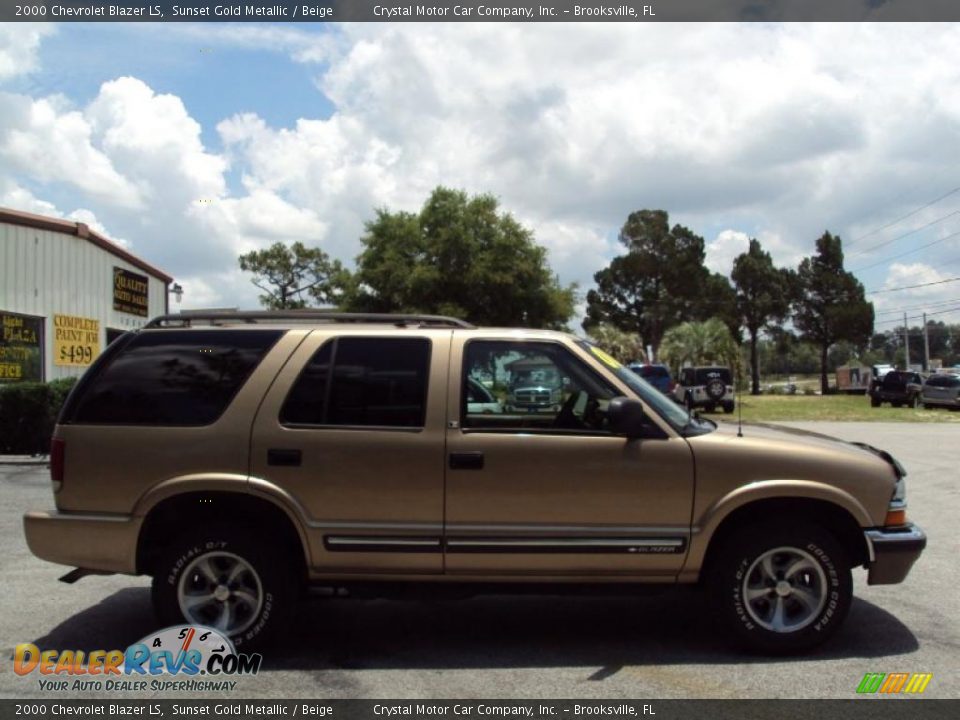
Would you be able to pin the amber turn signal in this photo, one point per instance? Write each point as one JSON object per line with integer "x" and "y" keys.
{"x": 896, "y": 517}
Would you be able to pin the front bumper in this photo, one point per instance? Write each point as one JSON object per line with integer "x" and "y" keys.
{"x": 106, "y": 543}
{"x": 893, "y": 552}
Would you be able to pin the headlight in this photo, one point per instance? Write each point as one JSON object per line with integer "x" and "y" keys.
{"x": 899, "y": 499}
{"x": 897, "y": 511}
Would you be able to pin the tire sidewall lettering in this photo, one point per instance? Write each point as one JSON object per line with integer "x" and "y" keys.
{"x": 190, "y": 554}
{"x": 826, "y": 615}
{"x": 266, "y": 610}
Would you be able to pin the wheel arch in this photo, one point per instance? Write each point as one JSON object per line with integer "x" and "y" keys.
{"x": 829, "y": 515}
{"x": 252, "y": 512}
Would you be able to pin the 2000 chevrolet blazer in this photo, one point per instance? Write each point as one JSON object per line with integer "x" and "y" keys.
{"x": 236, "y": 457}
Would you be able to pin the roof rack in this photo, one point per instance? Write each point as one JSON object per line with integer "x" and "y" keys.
{"x": 187, "y": 318}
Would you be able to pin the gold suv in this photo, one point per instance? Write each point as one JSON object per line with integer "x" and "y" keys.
{"x": 238, "y": 457}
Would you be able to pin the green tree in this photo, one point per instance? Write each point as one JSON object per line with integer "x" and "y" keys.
{"x": 625, "y": 347}
{"x": 660, "y": 282}
{"x": 458, "y": 256}
{"x": 762, "y": 296}
{"x": 700, "y": 343}
{"x": 830, "y": 304}
{"x": 285, "y": 274}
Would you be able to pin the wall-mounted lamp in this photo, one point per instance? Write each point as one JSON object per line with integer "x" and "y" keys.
{"x": 177, "y": 290}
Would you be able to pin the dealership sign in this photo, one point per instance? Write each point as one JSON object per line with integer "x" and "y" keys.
{"x": 130, "y": 292}
{"x": 21, "y": 351}
{"x": 76, "y": 340}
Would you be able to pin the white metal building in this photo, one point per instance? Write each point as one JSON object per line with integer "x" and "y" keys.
{"x": 65, "y": 293}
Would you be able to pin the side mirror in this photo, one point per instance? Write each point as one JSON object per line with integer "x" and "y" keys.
{"x": 626, "y": 417}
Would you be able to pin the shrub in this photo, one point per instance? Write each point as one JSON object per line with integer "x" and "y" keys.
{"x": 28, "y": 412}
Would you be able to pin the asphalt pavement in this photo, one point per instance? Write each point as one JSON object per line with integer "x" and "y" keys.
{"x": 660, "y": 646}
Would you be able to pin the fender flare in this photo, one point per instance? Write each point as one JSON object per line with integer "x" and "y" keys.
{"x": 705, "y": 527}
{"x": 232, "y": 483}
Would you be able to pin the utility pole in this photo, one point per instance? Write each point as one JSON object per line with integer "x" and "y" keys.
{"x": 906, "y": 342}
{"x": 926, "y": 346}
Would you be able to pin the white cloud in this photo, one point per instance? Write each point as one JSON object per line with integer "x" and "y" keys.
{"x": 48, "y": 141}
{"x": 721, "y": 253}
{"x": 152, "y": 137}
{"x": 935, "y": 297}
{"x": 14, "y": 196}
{"x": 18, "y": 198}
{"x": 757, "y": 130}
{"x": 19, "y": 43}
{"x": 780, "y": 129}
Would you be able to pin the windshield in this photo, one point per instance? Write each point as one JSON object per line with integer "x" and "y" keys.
{"x": 652, "y": 398}
{"x": 544, "y": 377}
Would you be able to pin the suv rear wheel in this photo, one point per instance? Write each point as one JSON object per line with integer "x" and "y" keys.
{"x": 221, "y": 578}
{"x": 781, "y": 588}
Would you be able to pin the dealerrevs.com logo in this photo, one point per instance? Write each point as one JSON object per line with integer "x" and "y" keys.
{"x": 172, "y": 659}
{"x": 894, "y": 683}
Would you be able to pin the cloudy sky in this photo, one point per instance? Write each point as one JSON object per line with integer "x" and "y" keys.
{"x": 191, "y": 144}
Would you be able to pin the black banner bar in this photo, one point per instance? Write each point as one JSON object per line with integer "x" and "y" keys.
{"x": 483, "y": 11}
{"x": 474, "y": 709}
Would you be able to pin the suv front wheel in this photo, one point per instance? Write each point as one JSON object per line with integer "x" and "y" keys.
{"x": 781, "y": 588}
{"x": 220, "y": 578}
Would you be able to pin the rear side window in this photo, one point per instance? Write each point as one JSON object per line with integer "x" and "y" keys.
{"x": 171, "y": 377}
{"x": 351, "y": 381}
{"x": 943, "y": 381}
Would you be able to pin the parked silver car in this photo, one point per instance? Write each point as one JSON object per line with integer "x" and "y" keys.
{"x": 941, "y": 391}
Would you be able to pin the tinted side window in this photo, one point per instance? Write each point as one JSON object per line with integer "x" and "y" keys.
{"x": 306, "y": 401}
{"x": 172, "y": 377}
{"x": 362, "y": 382}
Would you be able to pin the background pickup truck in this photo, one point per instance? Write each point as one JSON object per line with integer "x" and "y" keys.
{"x": 898, "y": 388}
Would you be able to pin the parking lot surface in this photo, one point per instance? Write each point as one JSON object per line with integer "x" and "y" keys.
{"x": 659, "y": 646}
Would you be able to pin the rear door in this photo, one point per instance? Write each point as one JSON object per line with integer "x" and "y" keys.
{"x": 939, "y": 388}
{"x": 352, "y": 433}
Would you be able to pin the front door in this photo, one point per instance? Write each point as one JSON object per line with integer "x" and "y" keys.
{"x": 539, "y": 485}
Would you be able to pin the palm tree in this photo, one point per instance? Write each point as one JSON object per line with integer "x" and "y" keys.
{"x": 700, "y": 343}
{"x": 625, "y": 347}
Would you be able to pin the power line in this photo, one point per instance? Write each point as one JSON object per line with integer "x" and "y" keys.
{"x": 918, "y": 317}
{"x": 906, "y": 234}
{"x": 904, "y": 217}
{"x": 908, "y": 252}
{"x": 911, "y": 287}
{"x": 918, "y": 307}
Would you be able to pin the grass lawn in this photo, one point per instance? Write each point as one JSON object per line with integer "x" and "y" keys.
{"x": 761, "y": 408}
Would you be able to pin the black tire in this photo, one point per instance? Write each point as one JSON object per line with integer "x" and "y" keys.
{"x": 275, "y": 575}
{"x": 711, "y": 408}
{"x": 738, "y": 568}
{"x": 874, "y": 402}
{"x": 897, "y": 404}
{"x": 728, "y": 407}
